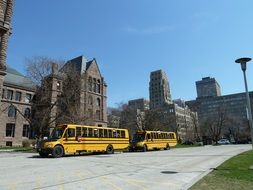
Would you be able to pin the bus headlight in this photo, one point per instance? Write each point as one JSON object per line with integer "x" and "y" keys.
{"x": 49, "y": 146}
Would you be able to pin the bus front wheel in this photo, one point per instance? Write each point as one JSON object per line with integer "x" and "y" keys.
{"x": 43, "y": 154}
{"x": 109, "y": 149}
{"x": 57, "y": 152}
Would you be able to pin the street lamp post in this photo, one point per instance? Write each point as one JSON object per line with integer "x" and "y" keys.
{"x": 243, "y": 62}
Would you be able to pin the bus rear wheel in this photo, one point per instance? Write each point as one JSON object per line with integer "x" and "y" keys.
{"x": 57, "y": 152}
{"x": 109, "y": 149}
{"x": 167, "y": 147}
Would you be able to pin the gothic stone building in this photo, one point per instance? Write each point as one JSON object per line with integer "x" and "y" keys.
{"x": 91, "y": 103}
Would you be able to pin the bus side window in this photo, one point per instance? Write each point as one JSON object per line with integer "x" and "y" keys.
{"x": 148, "y": 136}
{"x": 101, "y": 133}
{"x": 114, "y": 134}
{"x": 90, "y": 132}
{"x": 95, "y": 132}
{"x": 166, "y": 135}
{"x": 109, "y": 133}
{"x": 118, "y": 133}
{"x": 78, "y": 131}
{"x": 152, "y": 135}
{"x": 105, "y": 133}
{"x": 123, "y": 134}
{"x": 71, "y": 132}
{"x": 84, "y": 132}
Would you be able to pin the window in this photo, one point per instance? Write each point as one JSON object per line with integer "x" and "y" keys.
{"x": 84, "y": 132}
{"x": 18, "y": 96}
{"x": 27, "y": 113}
{"x": 94, "y": 85}
{"x": 71, "y": 132}
{"x": 114, "y": 135}
{"x": 78, "y": 131}
{"x": 3, "y": 94}
{"x": 95, "y": 132}
{"x": 10, "y": 130}
{"x": 123, "y": 134}
{"x": 109, "y": 133}
{"x": 101, "y": 133}
{"x": 90, "y": 102}
{"x": 98, "y": 86}
{"x": 90, "y": 132}
{"x": 98, "y": 102}
{"x": 26, "y": 131}
{"x": 12, "y": 111}
{"x": 9, "y": 94}
{"x": 8, "y": 143}
{"x": 28, "y": 98}
{"x": 105, "y": 133}
{"x": 90, "y": 84}
{"x": 98, "y": 114}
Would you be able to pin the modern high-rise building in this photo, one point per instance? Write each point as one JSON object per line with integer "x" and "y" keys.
{"x": 208, "y": 87}
{"x": 159, "y": 89}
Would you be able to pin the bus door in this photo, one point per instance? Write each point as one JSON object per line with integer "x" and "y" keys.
{"x": 70, "y": 140}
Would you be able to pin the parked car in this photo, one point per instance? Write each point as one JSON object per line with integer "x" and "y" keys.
{"x": 223, "y": 141}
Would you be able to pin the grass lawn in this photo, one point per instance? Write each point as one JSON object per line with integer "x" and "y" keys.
{"x": 185, "y": 146}
{"x": 17, "y": 149}
{"x": 234, "y": 174}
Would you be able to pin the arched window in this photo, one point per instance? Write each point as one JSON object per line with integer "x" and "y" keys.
{"x": 27, "y": 113}
{"x": 12, "y": 111}
{"x": 90, "y": 84}
{"x": 98, "y": 102}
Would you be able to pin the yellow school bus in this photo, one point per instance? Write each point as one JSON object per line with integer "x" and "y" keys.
{"x": 151, "y": 140}
{"x": 71, "y": 139}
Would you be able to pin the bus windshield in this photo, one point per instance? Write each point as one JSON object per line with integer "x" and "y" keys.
{"x": 139, "y": 137}
{"x": 57, "y": 133}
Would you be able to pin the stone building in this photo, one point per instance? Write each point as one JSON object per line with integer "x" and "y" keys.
{"x": 159, "y": 89}
{"x": 140, "y": 104}
{"x": 175, "y": 115}
{"x": 6, "y": 7}
{"x": 91, "y": 96}
{"x": 15, "y": 108}
{"x": 208, "y": 87}
{"x": 232, "y": 106}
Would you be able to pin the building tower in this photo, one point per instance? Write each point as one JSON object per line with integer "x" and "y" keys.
{"x": 5, "y": 30}
{"x": 208, "y": 87}
{"x": 159, "y": 89}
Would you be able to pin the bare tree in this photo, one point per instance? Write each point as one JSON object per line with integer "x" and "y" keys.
{"x": 57, "y": 97}
{"x": 215, "y": 124}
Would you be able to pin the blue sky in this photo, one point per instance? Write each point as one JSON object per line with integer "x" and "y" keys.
{"x": 129, "y": 39}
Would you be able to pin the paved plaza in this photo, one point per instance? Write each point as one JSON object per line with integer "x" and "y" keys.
{"x": 171, "y": 169}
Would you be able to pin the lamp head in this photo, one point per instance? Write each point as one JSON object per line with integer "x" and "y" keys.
{"x": 243, "y": 62}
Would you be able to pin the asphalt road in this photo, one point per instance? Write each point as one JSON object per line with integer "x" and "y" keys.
{"x": 170, "y": 169}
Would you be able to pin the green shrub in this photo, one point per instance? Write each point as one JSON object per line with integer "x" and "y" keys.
{"x": 26, "y": 143}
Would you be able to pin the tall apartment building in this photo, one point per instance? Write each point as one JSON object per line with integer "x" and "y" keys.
{"x": 208, "y": 87}
{"x": 159, "y": 89}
